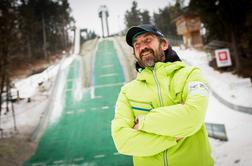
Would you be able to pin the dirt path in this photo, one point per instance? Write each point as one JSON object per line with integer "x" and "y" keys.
{"x": 14, "y": 151}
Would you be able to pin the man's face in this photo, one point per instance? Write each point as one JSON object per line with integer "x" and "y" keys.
{"x": 148, "y": 49}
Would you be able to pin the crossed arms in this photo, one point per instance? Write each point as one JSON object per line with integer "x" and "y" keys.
{"x": 162, "y": 127}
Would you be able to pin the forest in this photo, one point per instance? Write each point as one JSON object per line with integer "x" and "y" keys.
{"x": 31, "y": 30}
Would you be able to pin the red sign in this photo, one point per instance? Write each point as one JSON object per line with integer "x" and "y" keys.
{"x": 223, "y": 57}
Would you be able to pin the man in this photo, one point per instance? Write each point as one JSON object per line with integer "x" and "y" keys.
{"x": 159, "y": 116}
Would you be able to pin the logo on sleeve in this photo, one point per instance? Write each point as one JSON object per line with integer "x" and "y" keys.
{"x": 198, "y": 88}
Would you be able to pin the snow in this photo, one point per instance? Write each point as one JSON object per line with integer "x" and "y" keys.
{"x": 238, "y": 126}
{"x": 28, "y": 87}
{"x": 78, "y": 90}
{"x": 230, "y": 87}
{"x": 57, "y": 97}
{"x": 238, "y": 149}
{"x": 32, "y": 82}
{"x": 28, "y": 114}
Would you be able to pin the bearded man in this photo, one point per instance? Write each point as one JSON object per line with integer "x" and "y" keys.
{"x": 159, "y": 116}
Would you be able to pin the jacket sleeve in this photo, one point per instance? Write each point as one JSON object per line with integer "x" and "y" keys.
{"x": 133, "y": 142}
{"x": 180, "y": 120}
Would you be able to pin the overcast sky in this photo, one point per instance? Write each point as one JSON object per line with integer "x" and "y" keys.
{"x": 85, "y": 12}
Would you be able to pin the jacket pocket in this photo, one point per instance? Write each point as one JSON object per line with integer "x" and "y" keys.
{"x": 140, "y": 105}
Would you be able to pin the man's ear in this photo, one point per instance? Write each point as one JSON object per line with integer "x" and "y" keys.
{"x": 164, "y": 44}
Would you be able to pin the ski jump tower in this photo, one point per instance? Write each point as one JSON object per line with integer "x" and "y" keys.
{"x": 103, "y": 14}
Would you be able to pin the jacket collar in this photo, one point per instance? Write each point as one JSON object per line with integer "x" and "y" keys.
{"x": 160, "y": 67}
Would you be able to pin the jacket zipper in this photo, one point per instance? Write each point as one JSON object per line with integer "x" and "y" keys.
{"x": 158, "y": 88}
{"x": 161, "y": 104}
{"x": 165, "y": 158}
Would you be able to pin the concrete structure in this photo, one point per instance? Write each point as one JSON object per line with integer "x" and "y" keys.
{"x": 103, "y": 14}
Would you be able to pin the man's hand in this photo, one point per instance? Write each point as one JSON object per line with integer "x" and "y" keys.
{"x": 136, "y": 126}
{"x": 178, "y": 139}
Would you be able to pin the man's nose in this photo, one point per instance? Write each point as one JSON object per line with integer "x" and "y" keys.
{"x": 142, "y": 47}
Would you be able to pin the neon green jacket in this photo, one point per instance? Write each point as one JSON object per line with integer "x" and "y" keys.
{"x": 170, "y": 101}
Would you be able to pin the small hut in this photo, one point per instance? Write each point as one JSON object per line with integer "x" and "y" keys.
{"x": 188, "y": 25}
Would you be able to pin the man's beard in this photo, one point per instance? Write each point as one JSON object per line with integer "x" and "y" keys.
{"x": 148, "y": 57}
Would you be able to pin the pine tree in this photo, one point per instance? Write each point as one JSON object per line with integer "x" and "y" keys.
{"x": 145, "y": 17}
{"x": 165, "y": 21}
{"x": 133, "y": 17}
{"x": 8, "y": 46}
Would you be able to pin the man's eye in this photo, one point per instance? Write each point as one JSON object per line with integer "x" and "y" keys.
{"x": 148, "y": 40}
{"x": 136, "y": 45}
